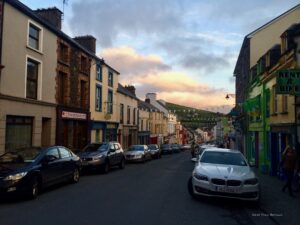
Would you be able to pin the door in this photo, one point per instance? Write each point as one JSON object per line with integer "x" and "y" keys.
{"x": 274, "y": 154}
{"x": 46, "y": 132}
{"x": 51, "y": 170}
{"x": 67, "y": 165}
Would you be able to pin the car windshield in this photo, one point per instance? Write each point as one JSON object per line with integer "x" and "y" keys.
{"x": 165, "y": 146}
{"x": 152, "y": 147}
{"x": 136, "y": 148}
{"x": 24, "y": 155}
{"x": 226, "y": 158}
{"x": 96, "y": 147}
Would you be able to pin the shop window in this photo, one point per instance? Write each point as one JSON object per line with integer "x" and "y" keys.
{"x": 32, "y": 79}
{"x": 18, "y": 132}
{"x": 97, "y": 139}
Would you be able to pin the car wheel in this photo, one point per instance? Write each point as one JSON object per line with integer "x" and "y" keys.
{"x": 122, "y": 164}
{"x": 190, "y": 188}
{"x": 34, "y": 188}
{"x": 75, "y": 175}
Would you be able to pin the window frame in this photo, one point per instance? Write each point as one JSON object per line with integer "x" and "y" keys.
{"x": 121, "y": 113}
{"x": 100, "y": 74}
{"x": 99, "y": 87}
{"x": 38, "y": 78}
{"x": 39, "y": 39}
{"x": 128, "y": 114}
{"x": 110, "y": 104}
{"x": 110, "y": 80}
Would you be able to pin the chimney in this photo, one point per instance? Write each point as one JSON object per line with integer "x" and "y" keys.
{"x": 87, "y": 41}
{"x": 52, "y": 15}
{"x": 151, "y": 96}
{"x": 130, "y": 88}
{"x": 147, "y": 100}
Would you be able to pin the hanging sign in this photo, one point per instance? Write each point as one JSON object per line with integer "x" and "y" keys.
{"x": 288, "y": 82}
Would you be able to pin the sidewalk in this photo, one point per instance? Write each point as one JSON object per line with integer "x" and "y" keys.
{"x": 279, "y": 205}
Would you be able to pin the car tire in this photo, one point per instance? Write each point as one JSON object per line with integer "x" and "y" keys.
{"x": 122, "y": 164}
{"x": 34, "y": 188}
{"x": 75, "y": 176}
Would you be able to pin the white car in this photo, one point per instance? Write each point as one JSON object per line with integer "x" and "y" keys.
{"x": 224, "y": 173}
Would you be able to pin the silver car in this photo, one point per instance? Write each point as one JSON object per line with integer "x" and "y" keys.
{"x": 224, "y": 173}
{"x": 138, "y": 153}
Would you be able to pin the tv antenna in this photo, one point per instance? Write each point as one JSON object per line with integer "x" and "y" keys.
{"x": 65, "y": 2}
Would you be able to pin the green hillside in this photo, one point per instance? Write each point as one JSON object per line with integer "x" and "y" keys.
{"x": 192, "y": 117}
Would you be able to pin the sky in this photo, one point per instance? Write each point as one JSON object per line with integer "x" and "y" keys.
{"x": 183, "y": 50}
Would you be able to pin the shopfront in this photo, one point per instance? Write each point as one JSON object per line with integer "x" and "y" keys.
{"x": 72, "y": 128}
{"x": 144, "y": 137}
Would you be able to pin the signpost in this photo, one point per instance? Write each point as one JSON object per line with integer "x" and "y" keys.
{"x": 288, "y": 82}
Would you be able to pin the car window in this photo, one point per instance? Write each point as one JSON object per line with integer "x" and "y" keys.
{"x": 117, "y": 147}
{"x": 53, "y": 152}
{"x": 226, "y": 158}
{"x": 111, "y": 146}
{"x": 64, "y": 153}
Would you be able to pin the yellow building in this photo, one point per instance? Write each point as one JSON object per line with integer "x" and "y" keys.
{"x": 127, "y": 116}
{"x": 104, "y": 106}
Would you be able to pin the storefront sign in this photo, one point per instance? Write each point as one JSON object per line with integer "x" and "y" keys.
{"x": 288, "y": 82}
{"x": 111, "y": 126}
{"x": 73, "y": 115}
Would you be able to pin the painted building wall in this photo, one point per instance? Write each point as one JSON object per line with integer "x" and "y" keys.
{"x": 262, "y": 40}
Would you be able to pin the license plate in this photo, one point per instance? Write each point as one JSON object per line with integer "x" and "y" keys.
{"x": 227, "y": 189}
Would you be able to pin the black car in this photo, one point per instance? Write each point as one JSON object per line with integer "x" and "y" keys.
{"x": 154, "y": 151}
{"x": 26, "y": 171}
{"x": 175, "y": 148}
{"x": 102, "y": 156}
{"x": 166, "y": 149}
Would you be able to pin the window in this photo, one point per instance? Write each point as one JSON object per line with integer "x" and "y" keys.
{"x": 61, "y": 87}
{"x": 63, "y": 53}
{"x": 82, "y": 94}
{"x": 64, "y": 153}
{"x": 18, "y": 132}
{"x": 142, "y": 125}
{"x": 99, "y": 72}
{"x": 53, "y": 152}
{"x": 128, "y": 114}
{"x": 83, "y": 64}
{"x": 98, "y": 98}
{"x": 34, "y": 36}
{"x": 268, "y": 103}
{"x": 32, "y": 79}
{"x": 274, "y": 100}
{"x": 284, "y": 103}
{"x": 110, "y": 78}
{"x": 97, "y": 136}
{"x": 134, "y": 115}
{"x": 117, "y": 147}
{"x": 110, "y": 102}
{"x": 121, "y": 113}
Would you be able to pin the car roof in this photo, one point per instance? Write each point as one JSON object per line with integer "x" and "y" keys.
{"x": 215, "y": 149}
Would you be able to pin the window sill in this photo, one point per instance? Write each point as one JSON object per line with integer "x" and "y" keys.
{"x": 35, "y": 50}
{"x": 100, "y": 80}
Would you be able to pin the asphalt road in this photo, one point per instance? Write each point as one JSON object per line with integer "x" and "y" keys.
{"x": 141, "y": 194}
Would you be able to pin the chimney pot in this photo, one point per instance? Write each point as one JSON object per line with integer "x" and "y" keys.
{"x": 52, "y": 15}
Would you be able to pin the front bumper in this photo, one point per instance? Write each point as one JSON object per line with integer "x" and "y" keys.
{"x": 8, "y": 188}
{"x": 93, "y": 163}
{"x": 133, "y": 158}
{"x": 243, "y": 192}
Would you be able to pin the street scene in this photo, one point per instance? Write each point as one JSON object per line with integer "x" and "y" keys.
{"x": 149, "y": 112}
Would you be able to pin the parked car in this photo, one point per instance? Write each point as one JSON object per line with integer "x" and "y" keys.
{"x": 166, "y": 149}
{"x": 102, "y": 156}
{"x": 200, "y": 148}
{"x": 185, "y": 147}
{"x": 224, "y": 173}
{"x": 27, "y": 171}
{"x": 138, "y": 153}
{"x": 155, "y": 151}
{"x": 175, "y": 148}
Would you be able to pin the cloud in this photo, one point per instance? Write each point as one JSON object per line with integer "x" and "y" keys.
{"x": 107, "y": 19}
{"x": 132, "y": 64}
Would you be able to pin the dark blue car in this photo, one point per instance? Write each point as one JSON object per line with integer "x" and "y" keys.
{"x": 26, "y": 171}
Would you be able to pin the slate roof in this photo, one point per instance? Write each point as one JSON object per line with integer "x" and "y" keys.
{"x": 121, "y": 89}
{"x": 146, "y": 105}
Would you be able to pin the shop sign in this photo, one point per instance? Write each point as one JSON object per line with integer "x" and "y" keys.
{"x": 73, "y": 115}
{"x": 111, "y": 126}
{"x": 288, "y": 82}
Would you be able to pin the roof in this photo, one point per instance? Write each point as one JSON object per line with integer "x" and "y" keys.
{"x": 121, "y": 89}
{"x": 215, "y": 149}
{"x": 29, "y": 12}
{"x": 142, "y": 104}
{"x": 162, "y": 105}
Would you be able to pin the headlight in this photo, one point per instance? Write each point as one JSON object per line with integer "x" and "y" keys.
{"x": 252, "y": 181}
{"x": 200, "y": 176}
{"x": 15, "y": 177}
